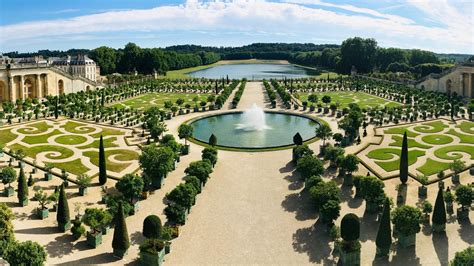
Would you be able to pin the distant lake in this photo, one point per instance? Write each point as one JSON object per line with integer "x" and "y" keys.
{"x": 254, "y": 71}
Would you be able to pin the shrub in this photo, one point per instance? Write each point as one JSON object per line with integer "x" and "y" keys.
{"x": 406, "y": 220}
{"x": 325, "y": 192}
{"x": 26, "y": 253}
{"x": 350, "y": 227}
{"x": 210, "y": 154}
{"x": 463, "y": 258}
{"x": 297, "y": 139}
{"x": 152, "y": 246}
{"x": 439, "y": 213}
{"x": 183, "y": 195}
{"x": 302, "y": 151}
{"x": 96, "y": 218}
{"x": 8, "y": 175}
{"x": 464, "y": 195}
{"x": 194, "y": 181}
{"x": 330, "y": 211}
{"x": 199, "y": 169}
{"x": 309, "y": 166}
{"x": 175, "y": 214}
{"x": 371, "y": 189}
{"x": 213, "y": 140}
{"x": 152, "y": 227}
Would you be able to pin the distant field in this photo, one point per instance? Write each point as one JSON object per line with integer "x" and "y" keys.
{"x": 364, "y": 100}
{"x": 148, "y": 100}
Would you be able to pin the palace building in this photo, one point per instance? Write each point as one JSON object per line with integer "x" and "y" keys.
{"x": 36, "y": 77}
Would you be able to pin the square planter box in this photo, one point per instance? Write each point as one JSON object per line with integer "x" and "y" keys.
{"x": 24, "y": 203}
{"x": 406, "y": 240}
{"x": 371, "y": 207}
{"x": 82, "y": 191}
{"x": 21, "y": 164}
{"x": 438, "y": 227}
{"x": 42, "y": 213}
{"x": 449, "y": 208}
{"x": 463, "y": 214}
{"x": 471, "y": 171}
{"x": 64, "y": 226}
{"x": 185, "y": 149}
{"x": 104, "y": 230}
{"x": 348, "y": 180}
{"x": 455, "y": 179}
{"x": 157, "y": 182}
{"x": 274, "y": 105}
{"x": 135, "y": 208}
{"x": 422, "y": 191}
{"x": 105, "y": 199}
{"x": 350, "y": 258}
{"x": 120, "y": 253}
{"x": 94, "y": 240}
{"x": 167, "y": 247}
{"x": 9, "y": 191}
{"x": 151, "y": 259}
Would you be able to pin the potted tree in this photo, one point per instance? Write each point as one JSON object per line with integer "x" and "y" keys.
{"x": 96, "y": 219}
{"x": 406, "y": 220}
{"x": 384, "y": 233}
{"x": 120, "y": 242}
{"x": 62, "y": 216}
{"x": 422, "y": 190}
{"x": 350, "y": 246}
{"x": 464, "y": 198}
{"x": 8, "y": 176}
{"x": 64, "y": 176}
{"x": 426, "y": 208}
{"x": 152, "y": 252}
{"x": 439, "y": 214}
{"x": 131, "y": 186}
{"x": 456, "y": 166}
{"x": 83, "y": 181}
{"x": 371, "y": 190}
{"x": 20, "y": 155}
{"x": 449, "y": 198}
{"x": 47, "y": 174}
{"x": 23, "y": 191}
{"x": 185, "y": 131}
{"x": 43, "y": 199}
{"x": 77, "y": 229}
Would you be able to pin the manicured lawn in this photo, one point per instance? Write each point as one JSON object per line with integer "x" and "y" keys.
{"x": 464, "y": 138}
{"x": 39, "y": 139}
{"x": 108, "y": 143}
{"x": 74, "y": 167}
{"x": 432, "y": 167}
{"x": 6, "y": 136}
{"x": 400, "y": 131}
{"x": 390, "y": 153}
{"x": 148, "y": 100}
{"x": 124, "y": 155}
{"x": 72, "y": 126}
{"x": 70, "y": 139}
{"x": 431, "y": 127}
{"x": 412, "y": 143}
{"x": 455, "y": 151}
{"x": 106, "y": 131}
{"x": 35, "y": 150}
{"x": 364, "y": 100}
{"x": 436, "y": 139}
{"x": 40, "y": 127}
{"x": 466, "y": 127}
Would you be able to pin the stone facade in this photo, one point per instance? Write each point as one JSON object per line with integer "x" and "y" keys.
{"x": 459, "y": 79}
{"x": 39, "y": 80}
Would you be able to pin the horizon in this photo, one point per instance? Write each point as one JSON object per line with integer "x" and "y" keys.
{"x": 406, "y": 24}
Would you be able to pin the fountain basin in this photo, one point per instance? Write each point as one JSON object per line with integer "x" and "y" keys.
{"x": 278, "y": 131}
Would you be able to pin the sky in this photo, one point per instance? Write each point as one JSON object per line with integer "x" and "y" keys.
{"x": 443, "y": 26}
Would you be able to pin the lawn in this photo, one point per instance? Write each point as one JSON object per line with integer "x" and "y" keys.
{"x": 6, "y": 136}
{"x": 74, "y": 167}
{"x": 364, "y": 100}
{"x": 412, "y": 143}
{"x": 70, "y": 139}
{"x": 437, "y": 139}
{"x": 455, "y": 151}
{"x": 466, "y": 127}
{"x": 431, "y": 127}
{"x": 108, "y": 143}
{"x": 39, "y": 139}
{"x": 121, "y": 155}
{"x": 51, "y": 150}
{"x": 148, "y": 100}
{"x": 390, "y": 153}
{"x": 39, "y": 128}
{"x": 400, "y": 131}
{"x": 78, "y": 128}
{"x": 432, "y": 167}
{"x": 463, "y": 137}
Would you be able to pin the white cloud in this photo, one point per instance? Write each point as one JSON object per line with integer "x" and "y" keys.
{"x": 281, "y": 19}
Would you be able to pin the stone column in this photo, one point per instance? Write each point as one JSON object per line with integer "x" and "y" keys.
{"x": 11, "y": 89}
{"x": 22, "y": 88}
{"x": 39, "y": 89}
{"x": 46, "y": 85}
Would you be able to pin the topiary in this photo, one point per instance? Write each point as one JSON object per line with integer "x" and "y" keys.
{"x": 62, "y": 216}
{"x": 152, "y": 227}
{"x": 22, "y": 186}
{"x": 404, "y": 160}
{"x": 213, "y": 140}
{"x": 465, "y": 257}
{"x": 439, "y": 212}
{"x": 350, "y": 227}
{"x": 120, "y": 240}
{"x": 102, "y": 163}
{"x": 383, "y": 240}
{"x": 297, "y": 139}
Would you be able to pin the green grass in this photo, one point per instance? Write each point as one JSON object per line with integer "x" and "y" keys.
{"x": 432, "y": 167}
{"x": 364, "y": 100}
{"x": 431, "y": 127}
{"x": 74, "y": 167}
{"x": 39, "y": 139}
{"x": 39, "y": 128}
{"x": 437, "y": 139}
{"x": 412, "y": 143}
{"x": 70, "y": 139}
{"x": 72, "y": 127}
{"x": 390, "y": 153}
{"x": 466, "y": 127}
{"x": 7, "y": 136}
{"x": 33, "y": 151}
{"x": 107, "y": 132}
{"x": 148, "y": 100}
{"x": 400, "y": 131}
{"x": 108, "y": 143}
{"x": 122, "y": 155}
{"x": 456, "y": 152}
{"x": 463, "y": 137}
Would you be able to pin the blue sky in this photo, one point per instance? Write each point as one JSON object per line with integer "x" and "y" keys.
{"x": 438, "y": 25}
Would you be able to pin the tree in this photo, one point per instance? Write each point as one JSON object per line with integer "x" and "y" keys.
{"x": 439, "y": 213}
{"x": 324, "y": 192}
{"x": 102, "y": 163}
{"x": 309, "y": 166}
{"x": 199, "y": 169}
{"x": 457, "y": 166}
{"x": 8, "y": 175}
{"x": 213, "y": 140}
{"x": 131, "y": 186}
{"x": 330, "y": 211}
{"x": 464, "y": 196}
{"x": 302, "y": 151}
{"x": 22, "y": 187}
{"x": 6, "y": 225}
{"x": 26, "y": 253}
{"x": 106, "y": 58}
{"x": 120, "y": 242}
{"x": 323, "y": 132}
{"x": 357, "y": 52}
{"x": 326, "y": 99}
{"x": 185, "y": 131}
{"x": 352, "y": 122}
{"x": 297, "y": 139}
{"x": 156, "y": 162}
{"x": 384, "y": 234}
{"x": 371, "y": 190}
{"x": 350, "y": 163}
{"x": 404, "y": 160}
{"x": 183, "y": 195}
{"x": 194, "y": 181}
{"x": 210, "y": 154}
{"x": 463, "y": 258}
{"x": 152, "y": 227}
{"x": 350, "y": 227}
{"x": 406, "y": 220}
{"x": 62, "y": 216}
{"x": 96, "y": 219}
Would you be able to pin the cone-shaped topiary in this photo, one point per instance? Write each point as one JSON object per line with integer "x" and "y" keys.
{"x": 384, "y": 234}
{"x": 350, "y": 227}
{"x": 62, "y": 216}
{"x": 152, "y": 227}
{"x": 404, "y": 160}
{"x": 102, "y": 164}
{"x": 439, "y": 213}
{"x": 213, "y": 140}
{"x": 120, "y": 242}
{"x": 22, "y": 187}
{"x": 297, "y": 139}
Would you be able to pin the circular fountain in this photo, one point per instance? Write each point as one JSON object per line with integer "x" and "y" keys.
{"x": 254, "y": 128}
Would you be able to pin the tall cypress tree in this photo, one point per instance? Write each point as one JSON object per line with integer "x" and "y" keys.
{"x": 404, "y": 160}
{"x": 56, "y": 108}
{"x": 120, "y": 242}
{"x": 62, "y": 216}
{"x": 384, "y": 234}
{"x": 439, "y": 213}
{"x": 102, "y": 164}
{"x": 22, "y": 188}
